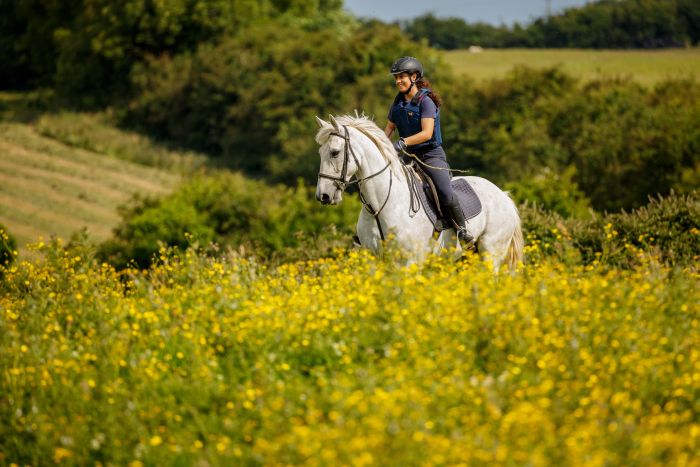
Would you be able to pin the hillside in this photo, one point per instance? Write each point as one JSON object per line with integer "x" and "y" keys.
{"x": 645, "y": 66}
{"x": 49, "y": 187}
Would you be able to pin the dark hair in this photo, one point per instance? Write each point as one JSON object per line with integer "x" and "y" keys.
{"x": 424, "y": 83}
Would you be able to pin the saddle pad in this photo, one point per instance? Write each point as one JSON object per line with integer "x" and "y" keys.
{"x": 468, "y": 201}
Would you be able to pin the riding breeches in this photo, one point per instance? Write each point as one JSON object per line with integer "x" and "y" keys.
{"x": 439, "y": 171}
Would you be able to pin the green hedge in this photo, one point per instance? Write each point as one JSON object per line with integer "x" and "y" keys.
{"x": 274, "y": 222}
{"x": 281, "y": 224}
{"x": 667, "y": 227}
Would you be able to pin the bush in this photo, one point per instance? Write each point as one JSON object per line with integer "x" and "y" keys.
{"x": 232, "y": 211}
{"x": 667, "y": 227}
{"x": 553, "y": 191}
{"x": 629, "y": 142}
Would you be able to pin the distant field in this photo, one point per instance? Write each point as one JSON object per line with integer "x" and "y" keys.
{"x": 48, "y": 187}
{"x": 646, "y": 67}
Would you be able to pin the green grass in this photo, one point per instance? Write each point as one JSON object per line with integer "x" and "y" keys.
{"x": 644, "y": 66}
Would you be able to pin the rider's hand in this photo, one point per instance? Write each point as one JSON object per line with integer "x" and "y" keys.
{"x": 400, "y": 145}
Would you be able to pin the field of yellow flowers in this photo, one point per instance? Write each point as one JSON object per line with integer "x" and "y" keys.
{"x": 352, "y": 360}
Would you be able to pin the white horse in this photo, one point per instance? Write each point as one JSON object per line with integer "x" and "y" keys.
{"x": 356, "y": 146}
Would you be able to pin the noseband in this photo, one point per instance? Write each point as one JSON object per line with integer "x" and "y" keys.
{"x": 342, "y": 182}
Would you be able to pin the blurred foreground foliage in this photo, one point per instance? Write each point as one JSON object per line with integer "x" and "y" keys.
{"x": 203, "y": 360}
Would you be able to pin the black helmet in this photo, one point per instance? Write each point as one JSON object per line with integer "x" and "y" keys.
{"x": 407, "y": 65}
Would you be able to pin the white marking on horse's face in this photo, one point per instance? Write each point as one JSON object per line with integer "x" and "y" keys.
{"x": 332, "y": 155}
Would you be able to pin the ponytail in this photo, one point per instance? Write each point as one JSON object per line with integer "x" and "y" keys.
{"x": 424, "y": 83}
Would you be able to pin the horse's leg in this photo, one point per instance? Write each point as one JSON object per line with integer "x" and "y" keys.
{"x": 497, "y": 223}
{"x": 367, "y": 231}
{"x": 493, "y": 248}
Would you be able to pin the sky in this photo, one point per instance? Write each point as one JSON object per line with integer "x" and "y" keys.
{"x": 489, "y": 11}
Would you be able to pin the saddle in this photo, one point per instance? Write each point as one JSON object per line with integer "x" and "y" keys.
{"x": 425, "y": 189}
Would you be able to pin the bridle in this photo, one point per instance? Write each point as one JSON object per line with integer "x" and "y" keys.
{"x": 341, "y": 182}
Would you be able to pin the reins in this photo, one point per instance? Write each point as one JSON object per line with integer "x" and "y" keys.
{"x": 432, "y": 166}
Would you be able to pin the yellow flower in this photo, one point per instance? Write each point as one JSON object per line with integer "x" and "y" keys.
{"x": 59, "y": 454}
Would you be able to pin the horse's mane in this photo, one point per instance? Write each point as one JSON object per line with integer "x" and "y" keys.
{"x": 369, "y": 128}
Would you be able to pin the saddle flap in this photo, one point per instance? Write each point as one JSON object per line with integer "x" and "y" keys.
{"x": 468, "y": 200}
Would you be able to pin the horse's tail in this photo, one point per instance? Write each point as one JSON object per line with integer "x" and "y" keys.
{"x": 514, "y": 256}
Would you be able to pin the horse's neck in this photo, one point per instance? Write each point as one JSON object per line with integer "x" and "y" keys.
{"x": 387, "y": 184}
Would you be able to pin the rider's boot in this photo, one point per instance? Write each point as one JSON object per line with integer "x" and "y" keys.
{"x": 454, "y": 211}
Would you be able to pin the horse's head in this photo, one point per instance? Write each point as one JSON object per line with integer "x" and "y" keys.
{"x": 338, "y": 161}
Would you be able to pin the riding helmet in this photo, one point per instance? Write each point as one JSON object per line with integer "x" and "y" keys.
{"x": 407, "y": 65}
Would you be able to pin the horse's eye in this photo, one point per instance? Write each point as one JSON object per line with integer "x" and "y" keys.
{"x": 335, "y": 153}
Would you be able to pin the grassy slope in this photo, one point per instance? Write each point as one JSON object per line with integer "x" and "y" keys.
{"x": 646, "y": 67}
{"x": 52, "y": 185}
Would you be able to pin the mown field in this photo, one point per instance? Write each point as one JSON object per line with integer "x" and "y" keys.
{"x": 351, "y": 360}
{"x": 62, "y": 172}
{"x": 48, "y": 188}
{"x": 644, "y": 66}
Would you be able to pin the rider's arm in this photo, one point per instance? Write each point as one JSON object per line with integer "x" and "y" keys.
{"x": 390, "y": 127}
{"x": 427, "y": 126}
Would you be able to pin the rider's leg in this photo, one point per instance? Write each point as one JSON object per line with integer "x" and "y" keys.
{"x": 440, "y": 174}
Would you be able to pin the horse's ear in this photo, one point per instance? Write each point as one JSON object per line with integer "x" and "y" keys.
{"x": 321, "y": 123}
{"x": 334, "y": 122}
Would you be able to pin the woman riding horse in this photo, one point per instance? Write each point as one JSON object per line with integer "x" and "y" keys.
{"x": 415, "y": 113}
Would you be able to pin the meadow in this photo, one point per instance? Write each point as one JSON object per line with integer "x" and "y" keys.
{"x": 351, "y": 360}
{"x": 647, "y": 67}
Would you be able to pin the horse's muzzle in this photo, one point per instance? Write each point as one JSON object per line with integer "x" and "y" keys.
{"x": 324, "y": 198}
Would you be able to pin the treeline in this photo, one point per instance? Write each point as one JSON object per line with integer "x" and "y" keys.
{"x": 623, "y": 24}
{"x": 88, "y": 47}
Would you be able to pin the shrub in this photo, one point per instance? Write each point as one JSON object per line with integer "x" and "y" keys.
{"x": 625, "y": 141}
{"x": 232, "y": 211}
{"x": 667, "y": 227}
{"x": 553, "y": 191}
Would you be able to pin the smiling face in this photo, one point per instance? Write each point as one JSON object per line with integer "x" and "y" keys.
{"x": 332, "y": 153}
{"x": 403, "y": 81}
